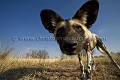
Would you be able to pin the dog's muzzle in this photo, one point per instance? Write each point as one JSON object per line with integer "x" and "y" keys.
{"x": 70, "y": 48}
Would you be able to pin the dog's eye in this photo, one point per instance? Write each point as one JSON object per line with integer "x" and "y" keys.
{"x": 59, "y": 31}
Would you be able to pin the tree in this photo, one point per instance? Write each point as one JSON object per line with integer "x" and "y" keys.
{"x": 37, "y": 54}
{"x": 118, "y": 53}
{"x": 5, "y": 52}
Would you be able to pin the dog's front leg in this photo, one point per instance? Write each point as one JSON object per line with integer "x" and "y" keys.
{"x": 89, "y": 65}
{"x": 82, "y": 74}
{"x": 93, "y": 62}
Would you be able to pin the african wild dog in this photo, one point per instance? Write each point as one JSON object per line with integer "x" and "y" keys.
{"x": 74, "y": 35}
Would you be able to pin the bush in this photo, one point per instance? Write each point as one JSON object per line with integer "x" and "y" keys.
{"x": 37, "y": 54}
{"x": 4, "y": 53}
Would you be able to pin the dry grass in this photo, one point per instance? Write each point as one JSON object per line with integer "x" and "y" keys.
{"x": 54, "y": 69}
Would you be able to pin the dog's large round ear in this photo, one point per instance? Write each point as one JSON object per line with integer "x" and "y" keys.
{"x": 88, "y": 13}
{"x": 50, "y": 19}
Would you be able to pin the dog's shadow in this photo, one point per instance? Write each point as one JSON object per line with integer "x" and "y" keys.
{"x": 37, "y": 73}
{"x": 43, "y": 73}
{"x": 15, "y": 74}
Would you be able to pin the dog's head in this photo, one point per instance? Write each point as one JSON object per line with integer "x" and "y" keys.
{"x": 71, "y": 34}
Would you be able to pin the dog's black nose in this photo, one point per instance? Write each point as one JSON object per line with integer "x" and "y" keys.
{"x": 70, "y": 46}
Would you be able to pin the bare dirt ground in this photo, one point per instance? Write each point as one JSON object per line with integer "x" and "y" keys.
{"x": 55, "y": 69}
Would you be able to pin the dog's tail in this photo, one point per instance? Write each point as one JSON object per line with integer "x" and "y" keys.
{"x": 101, "y": 47}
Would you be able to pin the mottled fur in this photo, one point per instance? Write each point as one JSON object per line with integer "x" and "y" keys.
{"x": 73, "y": 35}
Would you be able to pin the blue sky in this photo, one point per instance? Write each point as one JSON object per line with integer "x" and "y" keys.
{"x": 20, "y": 19}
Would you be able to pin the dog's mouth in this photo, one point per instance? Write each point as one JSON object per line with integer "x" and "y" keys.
{"x": 70, "y": 50}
